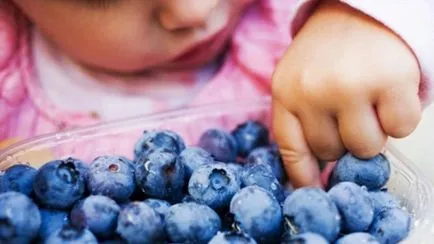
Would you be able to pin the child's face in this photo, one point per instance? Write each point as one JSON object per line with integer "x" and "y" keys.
{"x": 126, "y": 36}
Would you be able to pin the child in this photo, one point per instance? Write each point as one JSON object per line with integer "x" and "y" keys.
{"x": 357, "y": 69}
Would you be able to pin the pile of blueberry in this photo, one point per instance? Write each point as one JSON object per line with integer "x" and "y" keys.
{"x": 230, "y": 188}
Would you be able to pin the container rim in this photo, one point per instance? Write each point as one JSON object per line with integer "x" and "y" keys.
{"x": 169, "y": 114}
{"x": 262, "y": 102}
{"x": 199, "y": 110}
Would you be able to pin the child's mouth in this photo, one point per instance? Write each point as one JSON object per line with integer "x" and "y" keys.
{"x": 203, "y": 48}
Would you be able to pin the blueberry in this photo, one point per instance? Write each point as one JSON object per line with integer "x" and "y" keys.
{"x": 97, "y": 213}
{"x": 138, "y": 194}
{"x": 160, "y": 206}
{"x": 114, "y": 240}
{"x": 311, "y": 210}
{"x": 232, "y": 237}
{"x": 178, "y": 138}
{"x": 287, "y": 189}
{"x": 157, "y": 140}
{"x": 191, "y": 223}
{"x": 160, "y": 175}
{"x": 59, "y": 184}
{"x": 383, "y": 201}
{"x": 357, "y": 237}
{"x": 139, "y": 223}
{"x": 111, "y": 176}
{"x": 228, "y": 221}
{"x": 306, "y": 238}
{"x": 274, "y": 147}
{"x": 81, "y": 166}
{"x": 354, "y": 205}
{"x": 257, "y": 213}
{"x": 268, "y": 156}
{"x": 188, "y": 198}
{"x": 51, "y": 221}
{"x": 391, "y": 226}
{"x": 192, "y": 158}
{"x": 220, "y": 144}
{"x": 122, "y": 205}
{"x": 261, "y": 175}
{"x": 214, "y": 185}
{"x": 238, "y": 168}
{"x": 250, "y": 135}
{"x": 19, "y": 218}
{"x": 372, "y": 173}
{"x": 71, "y": 235}
{"x": 18, "y": 178}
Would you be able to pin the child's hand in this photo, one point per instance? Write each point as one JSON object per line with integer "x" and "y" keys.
{"x": 346, "y": 83}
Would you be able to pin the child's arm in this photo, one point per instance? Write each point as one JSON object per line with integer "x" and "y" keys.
{"x": 348, "y": 82}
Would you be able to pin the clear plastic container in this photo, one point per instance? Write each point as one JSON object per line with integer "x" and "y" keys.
{"x": 118, "y": 137}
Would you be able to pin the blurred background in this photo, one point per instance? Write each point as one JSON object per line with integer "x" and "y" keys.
{"x": 419, "y": 147}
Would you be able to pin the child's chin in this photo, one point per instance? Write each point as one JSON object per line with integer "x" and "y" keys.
{"x": 190, "y": 64}
{"x": 195, "y": 63}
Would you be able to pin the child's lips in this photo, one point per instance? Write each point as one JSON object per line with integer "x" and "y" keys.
{"x": 202, "y": 48}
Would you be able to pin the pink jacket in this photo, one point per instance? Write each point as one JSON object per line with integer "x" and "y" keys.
{"x": 257, "y": 44}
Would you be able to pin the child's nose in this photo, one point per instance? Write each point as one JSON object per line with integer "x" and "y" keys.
{"x": 185, "y": 14}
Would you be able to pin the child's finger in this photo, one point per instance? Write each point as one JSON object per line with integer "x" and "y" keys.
{"x": 300, "y": 165}
{"x": 399, "y": 113}
{"x": 322, "y": 134}
{"x": 361, "y": 131}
